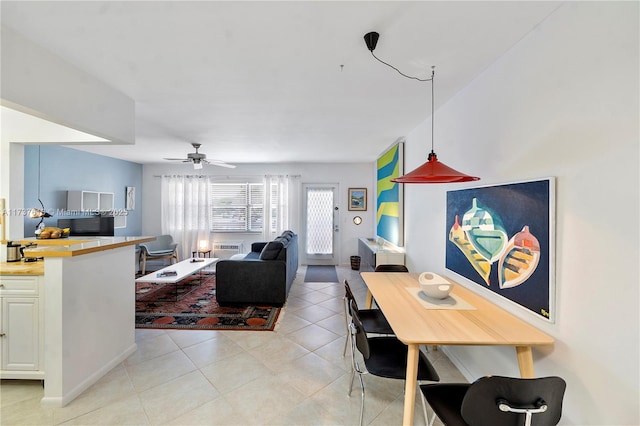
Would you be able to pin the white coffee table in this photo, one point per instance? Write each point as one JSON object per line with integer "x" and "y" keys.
{"x": 182, "y": 270}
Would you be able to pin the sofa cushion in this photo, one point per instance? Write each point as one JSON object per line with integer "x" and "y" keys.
{"x": 271, "y": 250}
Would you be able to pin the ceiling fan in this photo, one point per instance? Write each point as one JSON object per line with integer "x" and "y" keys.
{"x": 198, "y": 159}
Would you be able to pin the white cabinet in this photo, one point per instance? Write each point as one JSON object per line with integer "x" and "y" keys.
{"x": 372, "y": 255}
{"x": 90, "y": 201}
{"x": 21, "y": 327}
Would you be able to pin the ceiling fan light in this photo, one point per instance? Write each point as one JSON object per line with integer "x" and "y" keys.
{"x": 197, "y": 165}
{"x": 433, "y": 171}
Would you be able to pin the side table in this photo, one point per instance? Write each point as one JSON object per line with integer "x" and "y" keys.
{"x": 204, "y": 253}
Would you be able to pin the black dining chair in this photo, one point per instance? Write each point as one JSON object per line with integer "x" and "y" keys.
{"x": 383, "y": 356}
{"x": 391, "y": 268}
{"x": 497, "y": 401}
{"x": 373, "y": 320}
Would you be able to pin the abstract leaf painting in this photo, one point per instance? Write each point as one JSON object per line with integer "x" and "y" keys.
{"x": 502, "y": 238}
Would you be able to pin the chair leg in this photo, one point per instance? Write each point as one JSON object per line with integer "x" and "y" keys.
{"x": 144, "y": 263}
{"x": 362, "y": 399}
{"x": 424, "y": 408}
{"x": 344, "y": 350}
{"x": 346, "y": 316}
{"x": 353, "y": 376}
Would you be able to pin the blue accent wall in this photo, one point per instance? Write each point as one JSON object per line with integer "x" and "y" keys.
{"x": 65, "y": 169}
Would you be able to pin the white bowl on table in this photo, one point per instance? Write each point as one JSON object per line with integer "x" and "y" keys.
{"x": 434, "y": 286}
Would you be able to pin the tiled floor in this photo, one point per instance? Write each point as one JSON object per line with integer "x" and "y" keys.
{"x": 293, "y": 376}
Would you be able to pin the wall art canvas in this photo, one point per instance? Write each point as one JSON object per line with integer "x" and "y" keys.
{"x": 502, "y": 238}
{"x": 358, "y": 199}
{"x": 389, "y": 196}
{"x": 131, "y": 198}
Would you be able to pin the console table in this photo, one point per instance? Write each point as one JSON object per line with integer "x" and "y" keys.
{"x": 372, "y": 255}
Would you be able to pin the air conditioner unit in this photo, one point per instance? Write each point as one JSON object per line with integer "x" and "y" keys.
{"x": 224, "y": 250}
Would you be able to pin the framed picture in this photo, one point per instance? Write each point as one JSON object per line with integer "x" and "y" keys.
{"x": 390, "y": 195}
{"x": 502, "y": 237}
{"x": 131, "y": 198}
{"x": 358, "y": 199}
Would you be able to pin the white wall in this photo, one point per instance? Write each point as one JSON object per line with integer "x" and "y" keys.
{"x": 563, "y": 102}
{"x": 346, "y": 175}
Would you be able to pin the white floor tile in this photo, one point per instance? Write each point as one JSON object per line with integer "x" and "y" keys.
{"x": 296, "y": 375}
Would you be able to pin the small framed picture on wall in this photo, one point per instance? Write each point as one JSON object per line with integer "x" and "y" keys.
{"x": 131, "y": 198}
{"x": 358, "y": 199}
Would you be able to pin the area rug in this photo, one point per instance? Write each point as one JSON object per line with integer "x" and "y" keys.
{"x": 197, "y": 308}
{"x": 321, "y": 273}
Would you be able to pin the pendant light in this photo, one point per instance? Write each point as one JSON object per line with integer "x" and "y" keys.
{"x": 35, "y": 213}
{"x": 433, "y": 171}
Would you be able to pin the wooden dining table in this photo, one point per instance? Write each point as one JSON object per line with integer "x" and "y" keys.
{"x": 480, "y": 323}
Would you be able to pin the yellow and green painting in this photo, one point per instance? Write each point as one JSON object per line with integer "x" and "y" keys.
{"x": 389, "y": 215}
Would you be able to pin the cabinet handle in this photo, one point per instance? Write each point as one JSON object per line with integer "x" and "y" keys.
{"x": 1, "y": 285}
{"x": 2, "y": 334}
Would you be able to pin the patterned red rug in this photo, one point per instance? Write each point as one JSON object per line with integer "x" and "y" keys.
{"x": 196, "y": 308}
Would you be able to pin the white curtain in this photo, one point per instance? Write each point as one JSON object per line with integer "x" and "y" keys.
{"x": 285, "y": 199}
{"x": 185, "y": 211}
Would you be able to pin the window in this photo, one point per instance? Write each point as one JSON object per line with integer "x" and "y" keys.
{"x": 237, "y": 207}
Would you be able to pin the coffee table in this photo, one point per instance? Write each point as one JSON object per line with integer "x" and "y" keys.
{"x": 182, "y": 270}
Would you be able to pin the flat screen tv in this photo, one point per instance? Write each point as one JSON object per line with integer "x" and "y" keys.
{"x": 98, "y": 226}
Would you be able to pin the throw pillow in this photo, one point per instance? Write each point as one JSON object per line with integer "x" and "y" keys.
{"x": 271, "y": 250}
{"x": 284, "y": 238}
{"x": 287, "y": 234}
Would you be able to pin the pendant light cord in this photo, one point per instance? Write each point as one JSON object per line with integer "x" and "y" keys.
{"x": 400, "y": 72}
{"x": 433, "y": 73}
{"x": 41, "y": 204}
{"x": 39, "y": 174}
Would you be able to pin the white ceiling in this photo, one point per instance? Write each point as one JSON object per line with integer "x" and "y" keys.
{"x": 275, "y": 81}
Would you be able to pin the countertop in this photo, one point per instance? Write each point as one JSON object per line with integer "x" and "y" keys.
{"x": 22, "y": 268}
{"x": 77, "y": 246}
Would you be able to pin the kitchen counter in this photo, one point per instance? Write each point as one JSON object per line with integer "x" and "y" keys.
{"x": 22, "y": 268}
{"x": 88, "y": 298}
{"x": 76, "y": 246}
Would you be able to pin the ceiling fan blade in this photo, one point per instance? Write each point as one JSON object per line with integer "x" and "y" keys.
{"x": 177, "y": 159}
{"x": 228, "y": 166}
{"x": 220, "y": 163}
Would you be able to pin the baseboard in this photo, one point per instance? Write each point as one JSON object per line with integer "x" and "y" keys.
{"x": 54, "y": 402}
{"x": 458, "y": 364}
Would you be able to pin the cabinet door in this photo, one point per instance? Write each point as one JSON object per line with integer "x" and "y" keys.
{"x": 19, "y": 333}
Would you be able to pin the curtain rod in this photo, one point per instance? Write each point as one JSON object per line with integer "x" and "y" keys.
{"x": 227, "y": 176}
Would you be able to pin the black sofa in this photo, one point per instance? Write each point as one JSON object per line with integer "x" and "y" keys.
{"x": 263, "y": 276}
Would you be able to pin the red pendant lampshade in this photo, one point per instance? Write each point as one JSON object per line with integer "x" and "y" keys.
{"x": 433, "y": 171}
